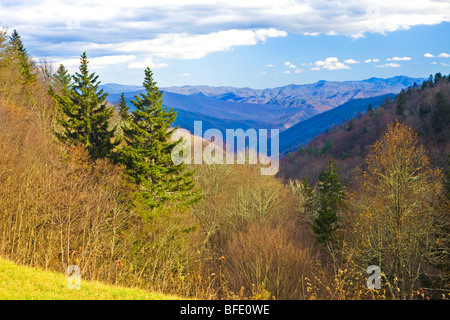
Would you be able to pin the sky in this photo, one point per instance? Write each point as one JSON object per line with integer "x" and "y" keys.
{"x": 251, "y": 43}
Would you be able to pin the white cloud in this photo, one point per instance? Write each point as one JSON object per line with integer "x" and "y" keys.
{"x": 185, "y": 75}
{"x": 368, "y": 60}
{"x": 148, "y": 62}
{"x": 287, "y": 72}
{"x": 65, "y": 27}
{"x": 298, "y": 70}
{"x": 399, "y": 59}
{"x": 376, "y": 60}
{"x": 331, "y": 63}
{"x": 311, "y": 34}
{"x": 445, "y": 64}
{"x": 290, "y": 65}
{"x": 441, "y": 55}
{"x": 389, "y": 65}
{"x": 315, "y": 69}
{"x": 351, "y": 61}
{"x": 185, "y": 46}
{"x": 97, "y": 62}
{"x": 270, "y": 66}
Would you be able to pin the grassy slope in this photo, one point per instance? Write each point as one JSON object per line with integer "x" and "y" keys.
{"x": 26, "y": 283}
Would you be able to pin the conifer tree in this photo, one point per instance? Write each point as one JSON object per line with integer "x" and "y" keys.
{"x": 62, "y": 78}
{"x": 124, "y": 110}
{"x": 330, "y": 192}
{"x": 147, "y": 153}
{"x": 310, "y": 197}
{"x": 441, "y": 113}
{"x": 351, "y": 124}
{"x": 18, "y": 50}
{"x": 85, "y": 116}
{"x": 437, "y": 77}
{"x": 401, "y": 103}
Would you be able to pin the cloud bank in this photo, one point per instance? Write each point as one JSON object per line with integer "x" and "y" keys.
{"x": 152, "y": 31}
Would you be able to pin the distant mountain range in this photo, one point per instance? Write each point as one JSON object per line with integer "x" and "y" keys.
{"x": 275, "y": 108}
{"x": 220, "y": 114}
{"x": 304, "y": 131}
{"x": 319, "y": 96}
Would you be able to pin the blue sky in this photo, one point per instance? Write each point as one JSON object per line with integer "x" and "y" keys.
{"x": 258, "y": 44}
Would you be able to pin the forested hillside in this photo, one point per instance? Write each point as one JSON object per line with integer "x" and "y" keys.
{"x": 424, "y": 108}
{"x": 68, "y": 197}
{"x": 304, "y": 131}
{"x": 88, "y": 185}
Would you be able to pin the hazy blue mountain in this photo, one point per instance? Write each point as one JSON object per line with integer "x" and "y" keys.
{"x": 300, "y": 111}
{"x": 320, "y": 96}
{"x": 279, "y": 108}
{"x": 271, "y": 116}
{"x": 113, "y": 88}
{"x": 306, "y": 130}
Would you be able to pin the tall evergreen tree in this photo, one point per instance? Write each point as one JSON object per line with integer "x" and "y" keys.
{"x": 330, "y": 192}
{"x": 401, "y": 103}
{"x": 441, "y": 113}
{"x": 309, "y": 198}
{"x": 147, "y": 153}
{"x": 437, "y": 77}
{"x": 62, "y": 78}
{"x": 124, "y": 110}
{"x": 85, "y": 117}
{"x": 351, "y": 124}
{"x": 18, "y": 50}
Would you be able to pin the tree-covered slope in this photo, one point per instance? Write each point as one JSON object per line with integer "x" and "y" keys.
{"x": 426, "y": 109}
{"x": 304, "y": 131}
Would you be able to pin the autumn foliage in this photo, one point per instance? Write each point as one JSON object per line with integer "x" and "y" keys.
{"x": 252, "y": 236}
{"x": 390, "y": 219}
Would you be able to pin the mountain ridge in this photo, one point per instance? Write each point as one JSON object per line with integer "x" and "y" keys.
{"x": 280, "y": 108}
{"x": 217, "y": 92}
{"x": 304, "y": 131}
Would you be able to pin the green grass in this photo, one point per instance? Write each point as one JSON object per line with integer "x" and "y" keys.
{"x": 26, "y": 283}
